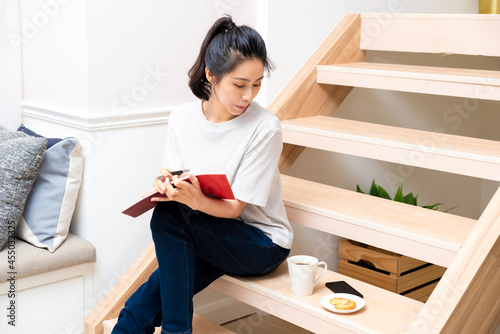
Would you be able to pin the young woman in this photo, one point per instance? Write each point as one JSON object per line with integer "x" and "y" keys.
{"x": 198, "y": 239}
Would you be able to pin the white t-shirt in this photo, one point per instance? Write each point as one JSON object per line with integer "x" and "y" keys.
{"x": 247, "y": 149}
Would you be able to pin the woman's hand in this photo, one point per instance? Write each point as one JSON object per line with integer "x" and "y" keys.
{"x": 160, "y": 183}
{"x": 185, "y": 192}
{"x": 190, "y": 194}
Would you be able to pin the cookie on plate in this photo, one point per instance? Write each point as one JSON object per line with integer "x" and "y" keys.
{"x": 343, "y": 303}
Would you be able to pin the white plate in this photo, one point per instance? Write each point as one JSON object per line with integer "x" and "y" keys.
{"x": 325, "y": 302}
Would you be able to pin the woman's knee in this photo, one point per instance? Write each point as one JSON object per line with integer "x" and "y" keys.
{"x": 160, "y": 216}
{"x": 169, "y": 215}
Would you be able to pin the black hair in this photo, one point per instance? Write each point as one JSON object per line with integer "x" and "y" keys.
{"x": 225, "y": 46}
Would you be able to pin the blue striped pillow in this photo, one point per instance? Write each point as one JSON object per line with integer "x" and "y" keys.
{"x": 49, "y": 208}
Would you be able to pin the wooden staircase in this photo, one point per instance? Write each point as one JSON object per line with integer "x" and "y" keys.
{"x": 466, "y": 299}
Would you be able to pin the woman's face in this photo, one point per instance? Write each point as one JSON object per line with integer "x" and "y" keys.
{"x": 233, "y": 94}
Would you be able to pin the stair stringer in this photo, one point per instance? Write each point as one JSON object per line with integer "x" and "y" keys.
{"x": 466, "y": 300}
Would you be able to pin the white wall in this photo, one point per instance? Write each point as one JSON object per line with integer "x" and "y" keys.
{"x": 109, "y": 72}
{"x": 10, "y": 65}
{"x": 55, "y": 62}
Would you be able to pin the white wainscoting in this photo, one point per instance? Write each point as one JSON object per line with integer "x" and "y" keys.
{"x": 50, "y": 303}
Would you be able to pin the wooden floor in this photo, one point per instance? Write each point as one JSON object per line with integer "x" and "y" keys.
{"x": 263, "y": 323}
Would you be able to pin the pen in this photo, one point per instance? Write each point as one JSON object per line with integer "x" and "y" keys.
{"x": 177, "y": 172}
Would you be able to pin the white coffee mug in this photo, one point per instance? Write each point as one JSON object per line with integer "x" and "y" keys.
{"x": 302, "y": 269}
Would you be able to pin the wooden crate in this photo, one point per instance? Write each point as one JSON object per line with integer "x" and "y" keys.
{"x": 394, "y": 272}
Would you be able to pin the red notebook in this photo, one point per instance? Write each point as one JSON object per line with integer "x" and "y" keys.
{"x": 212, "y": 185}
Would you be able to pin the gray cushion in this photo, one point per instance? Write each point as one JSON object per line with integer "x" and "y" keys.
{"x": 31, "y": 260}
{"x": 20, "y": 158}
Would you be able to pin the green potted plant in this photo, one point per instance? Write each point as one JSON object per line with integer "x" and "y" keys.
{"x": 378, "y": 191}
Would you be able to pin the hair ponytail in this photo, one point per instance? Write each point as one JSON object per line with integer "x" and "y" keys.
{"x": 225, "y": 46}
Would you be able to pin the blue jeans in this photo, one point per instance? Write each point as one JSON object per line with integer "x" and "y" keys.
{"x": 193, "y": 249}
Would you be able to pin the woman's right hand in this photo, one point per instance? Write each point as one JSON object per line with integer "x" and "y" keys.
{"x": 159, "y": 183}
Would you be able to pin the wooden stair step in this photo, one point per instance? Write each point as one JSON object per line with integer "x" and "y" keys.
{"x": 420, "y": 233}
{"x": 469, "y": 83}
{"x": 431, "y": 33}
{"x": 200, "y": 325}
{"x": 384, "y": 312}
{"x": 450, "y": 153}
